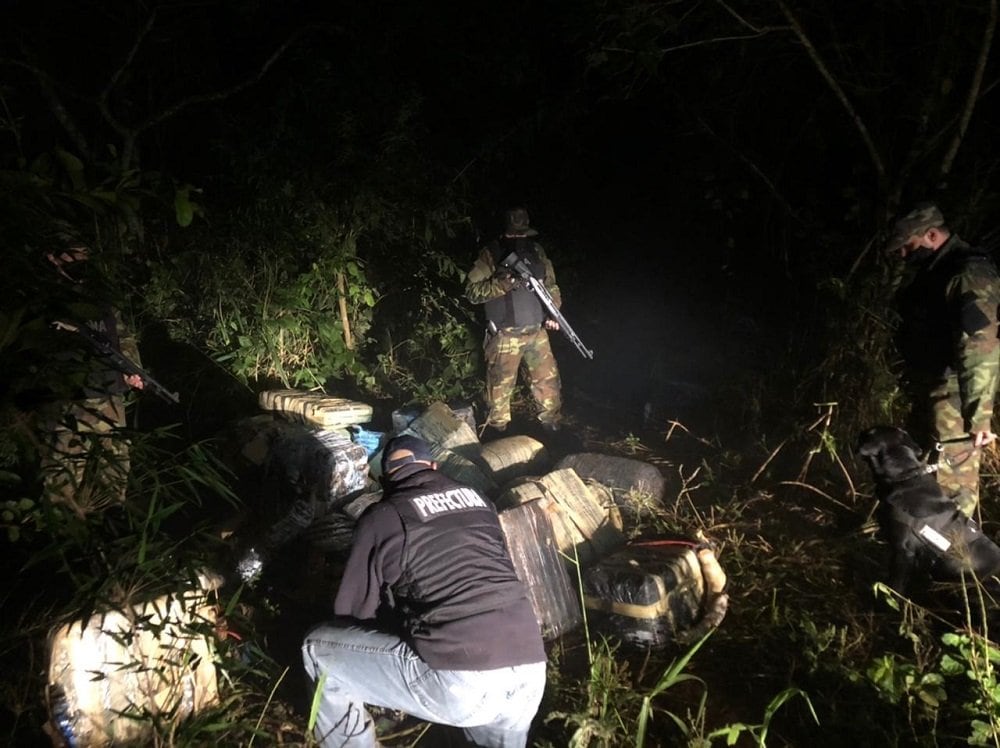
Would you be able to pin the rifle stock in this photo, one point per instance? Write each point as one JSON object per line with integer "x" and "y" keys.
{"x": 513, "y": 262}
{"x": 118, "y": 359}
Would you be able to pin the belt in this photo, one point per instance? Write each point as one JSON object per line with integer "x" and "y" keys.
{"x": 521, "y": 330}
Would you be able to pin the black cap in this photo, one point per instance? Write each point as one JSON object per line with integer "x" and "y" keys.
{"x": 402, "y": 450}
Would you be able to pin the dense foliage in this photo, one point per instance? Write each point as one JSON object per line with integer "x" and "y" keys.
{"x": 290, "y": 194}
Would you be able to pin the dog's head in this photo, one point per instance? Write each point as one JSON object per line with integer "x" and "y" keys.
{"x": 890, "y": 452}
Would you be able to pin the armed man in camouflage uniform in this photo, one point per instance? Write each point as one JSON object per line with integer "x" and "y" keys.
{"x": 948, "y": 340}
{"x": 85, "y": 458}
{"x": 517, "y": 323}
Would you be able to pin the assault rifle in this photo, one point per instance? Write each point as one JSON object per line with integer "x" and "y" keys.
{"x": 119, "y": 360}
{"x": 519, "y": 266}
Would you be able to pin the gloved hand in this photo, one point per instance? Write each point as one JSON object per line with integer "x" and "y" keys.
{"x": 508, "y": 280}
{"x": 505, "y": 280}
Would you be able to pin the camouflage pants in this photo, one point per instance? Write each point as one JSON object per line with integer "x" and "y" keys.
{"x": 85, "y": 458}
{"x": 937, "y": 418}
{"x": 505, "y": 352}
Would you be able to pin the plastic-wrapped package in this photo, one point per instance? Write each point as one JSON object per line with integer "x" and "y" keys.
{"x": 513, "y": 457}
{"x": 637, "y": 486}
{"x": 403, "y": 417}
{"x": 539, "y": 565}
{"x": 320, "y": 462}
{"x": 332, "y": 532}
{"x": 310, "y": 474}
{"x": 646, "y": 594}
{"x": 438, "y": 425}
{"x": 315, "y": 408}
{"x": 584, "y": 525}
{"x": 112, "y": 675}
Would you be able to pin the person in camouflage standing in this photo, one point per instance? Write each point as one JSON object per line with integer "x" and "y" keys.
{"x": 85, "y": 458}
{"x": 948, "y": 340}
{"x": 517, "y": 323}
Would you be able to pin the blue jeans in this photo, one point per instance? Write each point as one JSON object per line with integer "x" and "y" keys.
{"x": 361, "y": 666}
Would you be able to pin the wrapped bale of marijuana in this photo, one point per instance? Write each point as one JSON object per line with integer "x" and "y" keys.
{"x": 116, "y": 674}
{"x": 651, "y": 594}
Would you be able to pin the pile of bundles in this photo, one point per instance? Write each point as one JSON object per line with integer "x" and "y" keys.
{"x": 565, "y": 524}
{"x": 313, "y": 457}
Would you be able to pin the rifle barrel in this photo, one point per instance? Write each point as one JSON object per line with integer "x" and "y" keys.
{"x": 513, "y": 261}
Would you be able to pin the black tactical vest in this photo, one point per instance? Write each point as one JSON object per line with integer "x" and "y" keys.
{"x": 520, "y": 307}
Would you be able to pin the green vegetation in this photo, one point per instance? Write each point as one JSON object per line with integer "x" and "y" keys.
{"x": 805, "y": 651}
{"x": 270, "y": 206}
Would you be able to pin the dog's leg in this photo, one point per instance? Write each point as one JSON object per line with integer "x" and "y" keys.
{"x": 901, "y": 566}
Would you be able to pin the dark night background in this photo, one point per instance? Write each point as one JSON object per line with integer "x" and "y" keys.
{"x": 712, "y": 180}
{"x": 687, "y": 155}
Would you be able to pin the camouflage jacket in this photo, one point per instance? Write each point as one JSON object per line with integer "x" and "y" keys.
{"x": 949, "y": 326}
{"x": 483, "y": 284}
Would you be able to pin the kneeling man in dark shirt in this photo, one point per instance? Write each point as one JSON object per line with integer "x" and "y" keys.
{"x": 432, "y": 619}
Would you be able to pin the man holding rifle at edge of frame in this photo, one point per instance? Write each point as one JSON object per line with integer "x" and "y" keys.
{"x": 85, "y": 448}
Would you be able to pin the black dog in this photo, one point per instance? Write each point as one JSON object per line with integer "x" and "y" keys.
{"x": 927, "y": 533}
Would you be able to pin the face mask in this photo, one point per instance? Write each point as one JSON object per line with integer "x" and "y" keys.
{"x": 919, "y": 256}
{"x": 75, "y": 271}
